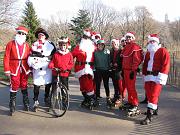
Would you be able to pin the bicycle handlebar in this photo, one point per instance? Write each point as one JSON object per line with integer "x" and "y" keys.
{"x": 61, "y": 71}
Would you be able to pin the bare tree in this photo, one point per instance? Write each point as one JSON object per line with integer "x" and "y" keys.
{"x": 103, "y": 17}
{"x": 56, "y": 28}
{"x": 144, "y": 24}
{"x": 124, "y": 21}
{"x": 8, "y": 12}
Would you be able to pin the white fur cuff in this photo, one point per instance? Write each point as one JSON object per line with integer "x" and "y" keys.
{"x": 162, "y": 78}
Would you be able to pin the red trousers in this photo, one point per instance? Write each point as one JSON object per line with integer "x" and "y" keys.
{"x": 153, "y": 91}
{"x": 86, "y": 83}
{"x": 122, "y": 88}
{"x": 131, "y": 88}
{"x": 19, "y": 81}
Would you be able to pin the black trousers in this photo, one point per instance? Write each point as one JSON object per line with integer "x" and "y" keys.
{"x": 100, "y": 75}
{"x": 36, "y": 91}
{"x": 115, "y": 78}
{"x": 63, "y": 80}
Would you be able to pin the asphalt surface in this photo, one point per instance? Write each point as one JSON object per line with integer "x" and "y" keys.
{"x": 80, "y": 121}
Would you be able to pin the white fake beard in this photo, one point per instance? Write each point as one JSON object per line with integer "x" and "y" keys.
{"x": 20, "y": 39}
{"x": 87, "y": 46}
{"x": 153, "y": 47}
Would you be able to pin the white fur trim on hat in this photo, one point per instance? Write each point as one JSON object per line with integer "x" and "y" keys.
{"x": 130, "y": 34}
{"x": 65, "y": 40}
{"x": 153, "y": 39}
{"x": 123, "y": 38}
{"x": 116, "y": 41}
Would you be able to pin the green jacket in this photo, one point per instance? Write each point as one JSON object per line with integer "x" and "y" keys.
{"x": 102, "y": 59}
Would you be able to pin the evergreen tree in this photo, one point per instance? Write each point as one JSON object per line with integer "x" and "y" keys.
{"x": 80, "y": 23}
{"x": 30, "y": 20}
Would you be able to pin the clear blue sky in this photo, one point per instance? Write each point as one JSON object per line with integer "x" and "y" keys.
{"x": 69, "y": 8}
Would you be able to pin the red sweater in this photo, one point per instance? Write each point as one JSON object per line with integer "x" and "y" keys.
{"x": 62, "y": 61}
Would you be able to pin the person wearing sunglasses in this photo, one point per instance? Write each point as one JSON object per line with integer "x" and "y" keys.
{"x": 132, "y": 55}
{"x": 42, "y": 52}
{"x": 16, "y": 67}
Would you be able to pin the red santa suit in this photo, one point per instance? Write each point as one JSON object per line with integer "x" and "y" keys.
{"x": 15, "y": 63}
{"x": 84, "y": 65}
{"x": 41, "y": 73}
{"x": 132, "y": 58}
{"x": 155, "y": 70}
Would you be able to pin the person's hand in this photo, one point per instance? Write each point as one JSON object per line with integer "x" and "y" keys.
{"x": 138, "y": 70}
{"x": 7, "y": 74}
{"x": 30, "y": 74}
{"x": 131, "y": 75}
{"x": 115, "y": 64}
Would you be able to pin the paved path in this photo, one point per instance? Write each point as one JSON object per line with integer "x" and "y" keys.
{"x": 79, "y": 121}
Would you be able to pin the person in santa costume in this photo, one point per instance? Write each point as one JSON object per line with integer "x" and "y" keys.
{"x": 16, "y": 67}
{"x": 155, "y": 70}
{"x": 63, "y": 60}
{"x": 42, "y": 51}
{"x": 115, "y": 72}
{"x": 132, "y": 57}
{"x": 83, "y": 53}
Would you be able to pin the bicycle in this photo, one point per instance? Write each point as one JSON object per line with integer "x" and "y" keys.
{"x": 59, "y": 97}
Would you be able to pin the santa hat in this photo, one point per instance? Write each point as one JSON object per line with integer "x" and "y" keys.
{"x": 116, "y": 41}
{"x": 101, "y": 41}
{"x": 122, "y": 39}
{"x": 131, "y": 34}
{"x": 64, "y": 39}
{"x": 87, "y": 32}
{"x": 95, "y": 35}
{"x": 41, "y": 30}
{"x": 22, "y": 29}
{"x": 153, "y": 37}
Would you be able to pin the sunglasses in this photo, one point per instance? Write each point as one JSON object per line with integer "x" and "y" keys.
{"x": 123, "y": 41}
{"x": 60, "y": 44}
{"x": 21, "y": 33}
{"x": 128, "y": 37}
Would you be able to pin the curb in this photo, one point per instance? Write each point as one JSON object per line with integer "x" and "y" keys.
{"x": 5, "y": 83}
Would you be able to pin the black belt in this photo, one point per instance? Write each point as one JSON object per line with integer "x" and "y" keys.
{"x": 155, "y": 73}
{"x": 19, "y": 60}
{"x": 83, "y": 63}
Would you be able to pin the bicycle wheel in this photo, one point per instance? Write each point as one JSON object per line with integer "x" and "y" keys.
{"x": 60, "y": 101}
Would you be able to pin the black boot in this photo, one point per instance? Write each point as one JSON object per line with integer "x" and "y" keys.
{"x": 25, "y": 99}
{"x": 85, "y": 102}
{"x": 46, "y": 95}
{"x": 12, "y": 103}
{"x": 148, "y": 118}
{"x": 92, "y": 101}
{"x": 36, "y": 95}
